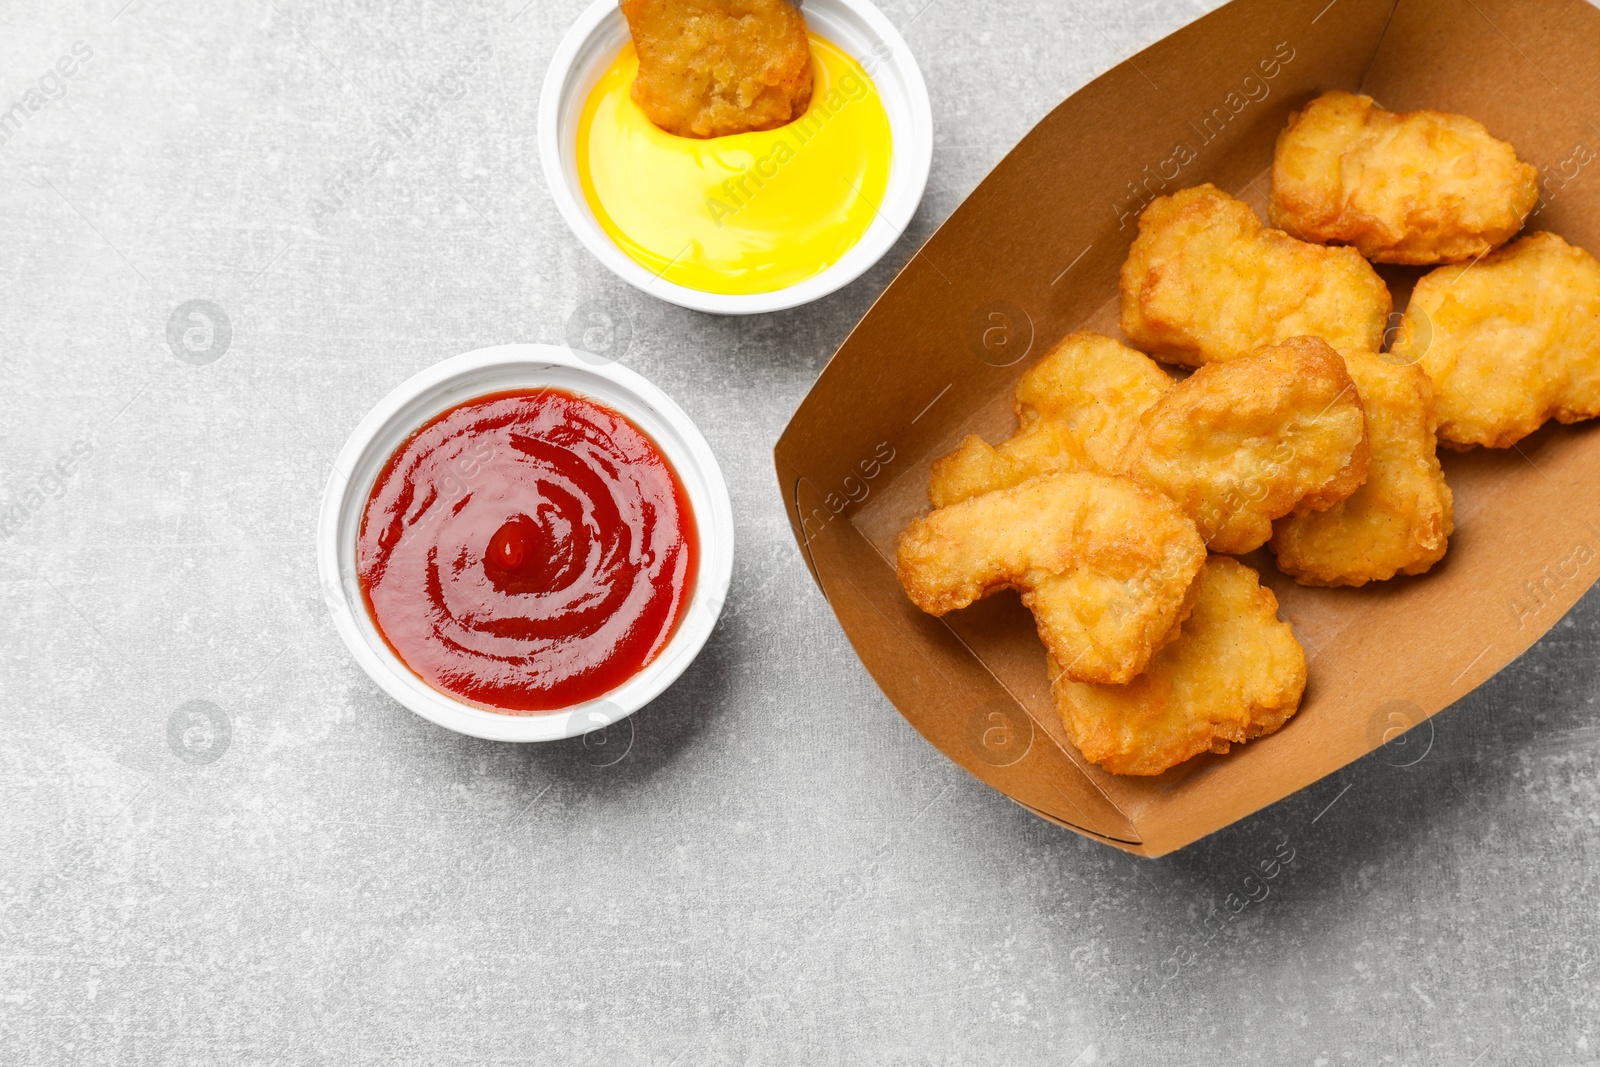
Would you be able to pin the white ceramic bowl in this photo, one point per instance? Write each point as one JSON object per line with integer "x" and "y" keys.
{"x": 858, "y": 28}
{"x": 491, "y": 370}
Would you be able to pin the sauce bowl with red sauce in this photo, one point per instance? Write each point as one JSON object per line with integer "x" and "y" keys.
{"x": 525, "y": 543}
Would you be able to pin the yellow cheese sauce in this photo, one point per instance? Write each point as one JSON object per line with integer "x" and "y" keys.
{"x": 747, "y": 213}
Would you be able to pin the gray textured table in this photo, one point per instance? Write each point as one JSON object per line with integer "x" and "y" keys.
{"x": 765, "y": 866}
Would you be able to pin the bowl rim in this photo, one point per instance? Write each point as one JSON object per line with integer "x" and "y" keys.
{"x": 690, "y": 456}
{"x": 910, "y": 166}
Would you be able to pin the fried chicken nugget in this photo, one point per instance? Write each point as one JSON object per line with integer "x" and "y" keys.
{"x": 1509, "y": 342}
{"x": 1234, "y": 672}
{"x": 1108, "y": 567}
{"x": 1242, "y": 443}
{"x": 1076, "y": 409}
{"x": 1416, "y": 187}
{"x": 1401, "y": 519}
{"x": 713, "y": 67}
{"x": 1205, "y": 281}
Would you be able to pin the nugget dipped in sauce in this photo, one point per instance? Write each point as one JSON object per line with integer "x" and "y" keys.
{"x": 708, "y": 68}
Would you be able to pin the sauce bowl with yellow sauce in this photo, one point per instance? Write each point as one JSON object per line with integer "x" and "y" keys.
{"x": 752, "y": 222}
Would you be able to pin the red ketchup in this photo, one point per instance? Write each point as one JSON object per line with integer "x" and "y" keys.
{"x": 527, "y": 551}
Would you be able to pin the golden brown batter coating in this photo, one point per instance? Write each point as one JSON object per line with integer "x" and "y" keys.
{"x": 1509, "y": 341}
{"x": 1076, "y": 409}
{"x": 1233, "y": 673}
{"x": 1401, "y": 519}
{"x": 1415, "y": 187}
{"x": 1107, "y": 566}
{"x": 1242, "y": 443}
{"x": 708, "y": 68}
{"x": 1205, "y": 281}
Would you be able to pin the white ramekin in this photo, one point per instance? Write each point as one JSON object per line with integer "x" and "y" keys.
{"x": 491, "y": 370}
{"x": 858, "y": 28}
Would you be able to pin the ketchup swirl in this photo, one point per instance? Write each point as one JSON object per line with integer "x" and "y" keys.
{"x": 526, "y": 551}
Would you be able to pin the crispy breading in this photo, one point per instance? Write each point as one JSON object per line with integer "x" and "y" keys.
{"x": 1241, "y": 443}
{"x": 1205, "y": 281}
{"x": 1414, "y": 187}
{"x": 708, "y": 68}
{"x": 1401, "y": 519}
{"x": 1107, "y": 566}
{"x": 1234, "y": 672}
{"x": 1076, "y": 409}
{"x": 1510, "y": 341}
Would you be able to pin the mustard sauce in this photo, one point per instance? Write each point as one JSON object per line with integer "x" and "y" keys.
{"x": 747, "y": 213}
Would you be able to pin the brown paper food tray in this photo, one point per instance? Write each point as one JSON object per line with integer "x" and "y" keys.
{"x": 1034, "y": 253}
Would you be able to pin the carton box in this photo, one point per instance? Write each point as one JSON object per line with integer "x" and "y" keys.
{"x": 1034, "y": 253}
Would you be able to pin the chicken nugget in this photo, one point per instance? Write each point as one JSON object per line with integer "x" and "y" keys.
{"x": 1509, "y": 341}
{"x": 1234, "y": 672}
{"x": 1241, "y": 443}
{"x": 1076, "y": 409}
{"x": 708, "y": 68}
{"x": 1401, "y": 519}
{"x": 1416, "y": 187}
{"x": 1205, "y": 281}
{"x": 1107, "y": 566}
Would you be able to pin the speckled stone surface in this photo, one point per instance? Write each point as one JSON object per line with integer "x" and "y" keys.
{"x": 765, "y": 866}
